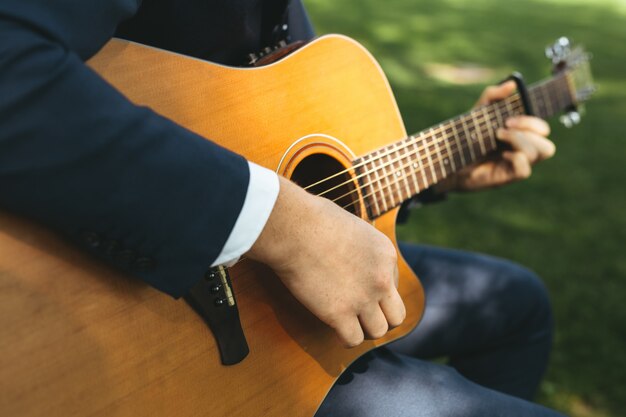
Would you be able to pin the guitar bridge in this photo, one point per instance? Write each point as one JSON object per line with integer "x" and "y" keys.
{"x": 214, "y": 300}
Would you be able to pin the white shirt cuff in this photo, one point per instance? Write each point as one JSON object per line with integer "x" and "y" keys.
{"x": 260, "y": 198}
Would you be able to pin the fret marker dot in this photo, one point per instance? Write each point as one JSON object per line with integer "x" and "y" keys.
{"x": 415, "y": 165}
{"x": 445, "y": 161}
{"x": 398, "y": 173}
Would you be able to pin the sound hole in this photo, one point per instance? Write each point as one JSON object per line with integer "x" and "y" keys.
{"x": 341, "y": 188}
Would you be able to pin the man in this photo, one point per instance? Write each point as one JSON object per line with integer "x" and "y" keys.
{"x": 78, "y": 157}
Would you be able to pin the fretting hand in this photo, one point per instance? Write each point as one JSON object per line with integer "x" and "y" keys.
{"x": 528, "y": 142}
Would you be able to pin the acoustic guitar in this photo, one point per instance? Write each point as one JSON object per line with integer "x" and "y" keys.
{"x": 78, "y": 338}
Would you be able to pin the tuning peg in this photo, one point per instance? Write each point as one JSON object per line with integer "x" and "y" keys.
{"x": 570, "y": 119}
{"x": 563, "y": 42}
{"x": 559, "y": 50}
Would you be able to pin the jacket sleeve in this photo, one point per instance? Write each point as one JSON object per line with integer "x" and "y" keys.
{"x": 122, "y": 182}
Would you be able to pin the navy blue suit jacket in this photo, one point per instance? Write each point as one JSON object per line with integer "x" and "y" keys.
{"x": 124, "y": 183}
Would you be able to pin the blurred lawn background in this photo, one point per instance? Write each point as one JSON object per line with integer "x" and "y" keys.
{"x": 568, "y": 222}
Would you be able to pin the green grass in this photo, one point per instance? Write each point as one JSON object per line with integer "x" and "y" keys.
{"x": 568, "y": 221}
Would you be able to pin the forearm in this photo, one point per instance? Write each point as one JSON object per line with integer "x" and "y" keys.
{"x": 78, "y": 157}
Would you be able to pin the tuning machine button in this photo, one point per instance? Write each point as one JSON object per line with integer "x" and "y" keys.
{"x": 570, "y": 119}
{"x": 559, "y": 51}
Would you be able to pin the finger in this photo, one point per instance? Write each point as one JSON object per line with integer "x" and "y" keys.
{"x": 519, "y": 165}
{"x": 349, "y": 331}
{"x": 535, "y": 124}
{"x": 496, "y": 92}
{"x": 519, "y": 142}
{"x": 395, "y": 274}
{"x": 535, "y": 146}
{"x": 373, "y": 322}
{"x": 393, "y": 308}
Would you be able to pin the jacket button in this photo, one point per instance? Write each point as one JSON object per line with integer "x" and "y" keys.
{"x": 144, "y": 264}
{"x": 92, "y": 239}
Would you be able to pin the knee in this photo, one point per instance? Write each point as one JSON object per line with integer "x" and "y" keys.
{"x": 534, "y": 300}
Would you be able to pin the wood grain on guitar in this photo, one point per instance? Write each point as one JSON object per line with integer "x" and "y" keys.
{"x": 78, "y": 339}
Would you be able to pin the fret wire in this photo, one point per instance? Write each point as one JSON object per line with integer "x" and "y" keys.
{"x": 458, "y": 143}
{"x": 423, "y": 160}
{"x": 486, "y": 122}
{"x": 447, "y": 144}
{"x": 465, "y": 141}
{"x": 453, "y": 141}
{"x": 371, "y": 185}
{"x": 430, "y": 162}
{"x": 398, "y": 172}
{"x": 409, "y": 193}
{"x": 478, "y": 132}
{"x": 380, "y": 188}
{"x": 384, "y": 172}
{"x": 417, "y": 164}
{"x": 408, "y": 156}
{"x": 387, "y": 175}
{"x": 499, "y": 117}
{"x": 469, "y": 139}
{"x": 509, "y": 109}
{"x": 438, "y": 149}
{"x": 491, "y": 136}
{"x": 444, "y": 140}
{"x": 387, "y": 171}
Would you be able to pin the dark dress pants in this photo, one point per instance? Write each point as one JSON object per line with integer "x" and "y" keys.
{"x": 489, "y": 318}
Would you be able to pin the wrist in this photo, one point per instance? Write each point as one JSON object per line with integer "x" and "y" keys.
{"x": 279, "y": 239}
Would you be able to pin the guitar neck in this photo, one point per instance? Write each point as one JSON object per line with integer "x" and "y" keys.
{"x": 393, "y": 174}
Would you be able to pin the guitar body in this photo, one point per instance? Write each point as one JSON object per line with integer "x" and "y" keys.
{"x": 78, "y": 338}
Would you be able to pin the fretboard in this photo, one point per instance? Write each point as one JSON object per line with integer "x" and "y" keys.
{"x": 395, "y": 173}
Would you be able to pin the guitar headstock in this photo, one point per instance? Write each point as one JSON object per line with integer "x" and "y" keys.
{"x": 573, "y": 62}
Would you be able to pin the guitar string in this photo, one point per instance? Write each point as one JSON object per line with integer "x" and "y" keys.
{"x": 444, "y": 154}
{"x": 398, "y": 186}
{"x": 398, "y": 179}
{"x": 482, "y": 121}
{"x": 437, "y": 144}
{"x": 425, "y": 146}
{"x": 551, "y": 83}
{"x": 492, "y": 106}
